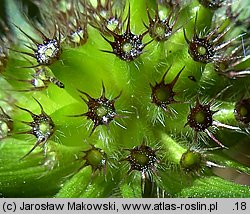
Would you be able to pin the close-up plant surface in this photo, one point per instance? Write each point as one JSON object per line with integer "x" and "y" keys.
{"x": 136, "y": 98}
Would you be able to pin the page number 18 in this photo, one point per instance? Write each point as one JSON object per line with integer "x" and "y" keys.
{"x": 241, "y": 205}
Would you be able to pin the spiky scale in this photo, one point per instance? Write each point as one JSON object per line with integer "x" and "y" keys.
{"x": 42, "y": 127}
{"x": 162, "y": 94}
{"x": 127, "y": 46}
{"x": 101, "y": 110}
